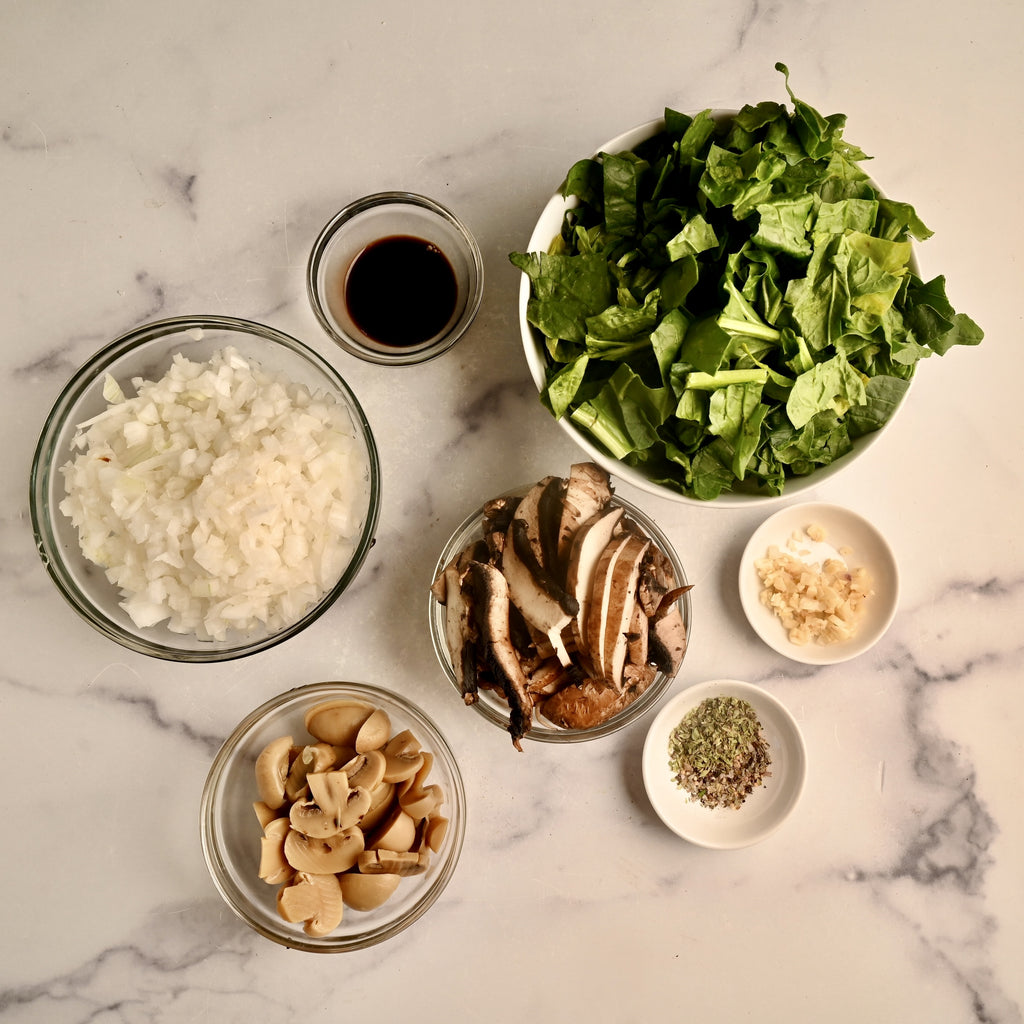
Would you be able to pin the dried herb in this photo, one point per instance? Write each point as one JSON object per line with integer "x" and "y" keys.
{"x": 718, "y": 752}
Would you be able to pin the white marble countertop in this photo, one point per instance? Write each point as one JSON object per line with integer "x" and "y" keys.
{"x": 179, "y": 159}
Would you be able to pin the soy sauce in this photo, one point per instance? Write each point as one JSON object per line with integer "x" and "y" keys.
{"x": 401, "y": 291}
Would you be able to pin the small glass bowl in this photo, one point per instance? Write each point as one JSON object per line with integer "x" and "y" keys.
{"x": 372, "y": 219}
{"x": 491, "y": 705}
{"x": 147, "y": 352}
{"x": 230, "y": 832}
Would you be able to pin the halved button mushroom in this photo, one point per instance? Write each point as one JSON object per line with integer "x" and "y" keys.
{"x": 367, "y": 892}
{"x": 374, "y": 732}
{"x": 274, "y": 865}
{"x": 324, "y": 856}
{"x": 403, "y": 756}
{"x": 313, "y": 899}
{"x": 272, "y": 771}
{"x": 337, "y": 721}
{"x": 380, "y": 802}
{"x": 366, "y": 770}
{"x": 317, "y": 757}
{"x": 396, "y": 832}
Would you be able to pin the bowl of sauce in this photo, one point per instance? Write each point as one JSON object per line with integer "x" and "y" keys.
{"x": 395, "y": 278}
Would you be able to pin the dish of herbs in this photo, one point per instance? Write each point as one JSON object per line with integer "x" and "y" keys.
{"x": 718, "y": 752}
{"x": 733, "y": 302}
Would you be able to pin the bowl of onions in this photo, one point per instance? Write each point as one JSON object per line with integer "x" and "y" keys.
{"x": 204, "y": 488}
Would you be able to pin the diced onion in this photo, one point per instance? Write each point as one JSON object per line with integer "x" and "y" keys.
{"x": 220, "y": 498}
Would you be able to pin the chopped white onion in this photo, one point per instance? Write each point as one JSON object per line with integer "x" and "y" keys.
{"x": 221, "y": 498}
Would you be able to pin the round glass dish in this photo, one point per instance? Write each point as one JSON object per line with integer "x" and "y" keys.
{"x": 492, "y": 706}
{"x": 765, "y": 809}
{"x": 147, "y": 352}
{"x": 230, "y": 831}
{"x": 384, "y": 217}
{"x": 547, "y": 228}
{"x": 846, "y": 536}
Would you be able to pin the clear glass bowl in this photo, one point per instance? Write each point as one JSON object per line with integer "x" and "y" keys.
{"x": 491, "y": 705}
{"x": 230, "y": 832}
{"x": 147, "y": 352}
{"x": 374, "y": 218}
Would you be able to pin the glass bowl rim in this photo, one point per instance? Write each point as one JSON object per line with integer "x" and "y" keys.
{"x": 45, "y": 463}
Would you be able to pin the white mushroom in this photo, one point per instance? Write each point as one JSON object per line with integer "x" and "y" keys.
{"x": 337, "y": 721}
{"x": 366, "y": 770}
{"x": 367, "y": 892}
{"x": 396, "y": 832}
{"x": 313, "y": 899}
{"x": 374, "y": 732}
{"x": 324, "y": 856}
{"x": 272, "y": 770}
{"x": 404, "y": 757}
{"x": 317, "y": 757}
{"x": 274, "y": 865}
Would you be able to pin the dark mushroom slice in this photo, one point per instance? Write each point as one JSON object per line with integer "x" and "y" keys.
{"x": 538, "y": 605}
{"x": 550, "y": 509}
{"x": 587, "y": 492}
{"x": 491, "y": 593}
{"x": 583, "y": 705}
{"x": 529, "y": 510}
{"x": 657, "y": 578}
{"x": 666, "y": 639}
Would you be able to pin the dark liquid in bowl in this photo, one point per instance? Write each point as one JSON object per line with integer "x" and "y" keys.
{"x": 401, "y": 291}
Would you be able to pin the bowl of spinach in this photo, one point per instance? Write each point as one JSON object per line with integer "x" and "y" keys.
{"x": 723, "y": 306}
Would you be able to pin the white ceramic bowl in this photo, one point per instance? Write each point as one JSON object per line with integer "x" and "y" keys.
{"x": 764, "y": 810}
{"x": 548, "y": 226}
{"x": 848, "y": 536}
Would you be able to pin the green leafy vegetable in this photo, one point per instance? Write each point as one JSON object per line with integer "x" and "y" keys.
{"x": 733, "y": 303}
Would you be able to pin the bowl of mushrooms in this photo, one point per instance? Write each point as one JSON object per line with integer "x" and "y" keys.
{"x": 333, "y": 817}
{"x": 559, "y": 610}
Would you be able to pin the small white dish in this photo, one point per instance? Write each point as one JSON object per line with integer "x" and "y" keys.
{"x": 764, "y": 810}
{"x": 848, "y": 536}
